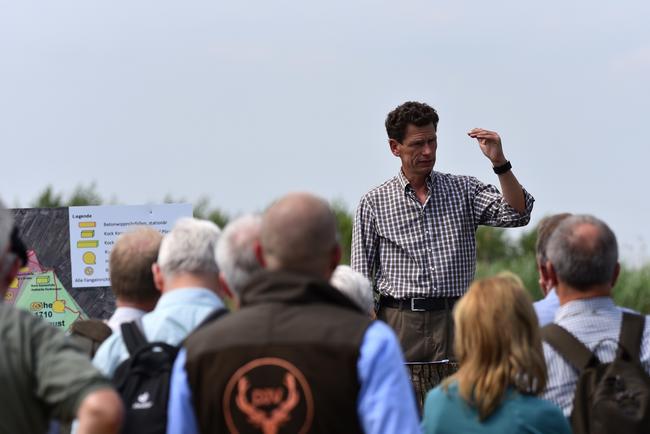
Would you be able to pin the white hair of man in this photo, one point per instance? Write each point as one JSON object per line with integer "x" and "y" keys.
{"x": 189, "y": 248}
{"x": 354, "y": 285}
{"x": 6, "y": 225}
{"x": 236, "y": 251}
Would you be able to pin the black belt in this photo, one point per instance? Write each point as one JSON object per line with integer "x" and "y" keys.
{"x": 418, "y": 304}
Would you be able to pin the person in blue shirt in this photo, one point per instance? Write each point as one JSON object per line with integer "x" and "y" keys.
{"x": 546, "y": 307}
{"x": 187, "y": 275}
{"x": 502, "y": 367}
{"x": 298, "y": 356}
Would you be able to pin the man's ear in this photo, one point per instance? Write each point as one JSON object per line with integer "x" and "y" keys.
{"x": 394, "y": 146}
{"x": 551, "y": 275}
{"x": 259, "y": 254}
{"x": 544, "y": 282}
{"x": 158, "y": 278}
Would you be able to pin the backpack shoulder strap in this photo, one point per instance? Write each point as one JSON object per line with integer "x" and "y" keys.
{"x": 212, "y": 316}
{"x": 133, "y": 337}
{"x": 569, "y": 346}
{"x": 632, "y": 327}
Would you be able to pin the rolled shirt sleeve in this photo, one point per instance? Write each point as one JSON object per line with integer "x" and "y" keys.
{"x": 491, "y": 209}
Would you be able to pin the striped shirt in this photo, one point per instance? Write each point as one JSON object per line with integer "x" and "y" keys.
{"x": 408, "y": 249}
{"x": 596, "y": 322}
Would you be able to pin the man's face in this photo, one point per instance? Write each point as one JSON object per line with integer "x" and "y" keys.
{"x": 417, "y": 150}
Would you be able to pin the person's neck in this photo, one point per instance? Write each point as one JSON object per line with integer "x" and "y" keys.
{"x": 417, "y": 182}
{"x": 190, "y": 280}
{"x": 146, "y": 306}
{"x": 419, "y": 186}
{"x": 566, "y": 293}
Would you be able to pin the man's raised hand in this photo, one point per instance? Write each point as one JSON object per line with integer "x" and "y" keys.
{"x": 490, "y": 144}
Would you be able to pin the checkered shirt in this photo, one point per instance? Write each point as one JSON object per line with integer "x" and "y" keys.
{"x": 596, "y": 322}
{"x": 412, "y": 250}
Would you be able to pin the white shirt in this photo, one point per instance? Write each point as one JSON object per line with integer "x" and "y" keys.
{"x": 123, "y": 315}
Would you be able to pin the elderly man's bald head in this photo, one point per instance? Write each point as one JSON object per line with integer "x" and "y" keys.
{"x": 298, "y": 233}
{"x": 583, "y": 252}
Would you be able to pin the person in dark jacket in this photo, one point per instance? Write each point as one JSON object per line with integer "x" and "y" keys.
{"x": 298, "y": 356}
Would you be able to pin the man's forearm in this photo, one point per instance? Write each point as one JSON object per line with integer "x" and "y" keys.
{"x": 512, "y": 191}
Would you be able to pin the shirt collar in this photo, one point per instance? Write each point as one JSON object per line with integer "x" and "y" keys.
{"x": 582, "y": 306}
{"x": 128, "y": 310}
{"x": 404, "y": 182}
{"x": 188, "y": 295}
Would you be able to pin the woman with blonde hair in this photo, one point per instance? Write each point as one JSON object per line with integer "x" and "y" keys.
{"x": 502, "y": 367}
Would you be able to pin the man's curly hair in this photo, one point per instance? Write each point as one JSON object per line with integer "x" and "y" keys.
{"x": 411, "y": 112}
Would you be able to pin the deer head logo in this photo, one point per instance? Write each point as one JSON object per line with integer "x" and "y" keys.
{"x": 268, "y": 423}
{"x": 268, "y": 394}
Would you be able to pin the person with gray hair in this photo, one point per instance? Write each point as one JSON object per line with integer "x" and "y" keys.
{"x": 355, "y": 286}
{"x": 236, "y": 253}
{"x": 583, "y": 266}
{"x": 42, "y": 373}
{"x": 187, "y": 276}
{"x": 298, "y": 356}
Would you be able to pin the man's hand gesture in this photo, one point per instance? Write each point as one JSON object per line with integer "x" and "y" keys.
{"x": 490, "y": 144}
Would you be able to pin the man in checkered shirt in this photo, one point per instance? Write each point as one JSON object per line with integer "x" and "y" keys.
{"x": 414, "y": 235}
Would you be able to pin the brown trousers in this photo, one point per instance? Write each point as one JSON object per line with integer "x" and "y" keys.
{"x": 425, "y": 336}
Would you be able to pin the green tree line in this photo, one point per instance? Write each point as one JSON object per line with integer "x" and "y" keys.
{"x": 496, "y": 250}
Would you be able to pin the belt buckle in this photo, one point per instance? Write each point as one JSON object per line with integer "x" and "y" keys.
{"x": 413, "y": 308}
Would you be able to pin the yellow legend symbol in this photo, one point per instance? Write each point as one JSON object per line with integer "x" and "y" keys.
{"x": 9, "y": 296}
{"x": 88, "y": 271}
{"x": 14, "y": 284}
{"x": 89, "y": 258}
{"x": 87, "y": 234}
{"x": 58, "y": 306}
{"x": 43, "y": 280}
{"x": 36, "y": 306}
{"x": 87, "y": 224}
{"x": 88, "y": 244}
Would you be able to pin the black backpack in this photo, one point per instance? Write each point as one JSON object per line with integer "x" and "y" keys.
{"x": 610, "y": 397}
{"x": 143, "y": 379}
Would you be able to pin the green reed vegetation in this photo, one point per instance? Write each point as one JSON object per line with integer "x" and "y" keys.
{"x": 496, "y": 250}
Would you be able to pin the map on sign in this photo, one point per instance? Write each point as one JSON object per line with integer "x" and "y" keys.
{"x": 94, "y": 230}
{"x": 39, "y": 291}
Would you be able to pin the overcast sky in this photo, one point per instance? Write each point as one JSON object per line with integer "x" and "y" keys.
{"x": 244, "y": 101}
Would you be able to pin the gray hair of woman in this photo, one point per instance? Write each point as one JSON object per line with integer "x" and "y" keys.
{"x": 355, "y": 286}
